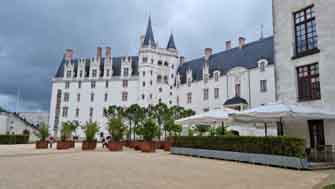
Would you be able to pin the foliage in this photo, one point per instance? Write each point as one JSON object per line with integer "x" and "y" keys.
{"x": 202, "y": 129}
{"x": 212, "y": 131}
{"x": 43, "y": 132}
{"x": 332, "y": 186}
{"x": 190, "y": 131}
{"x": 285, "y": 146}
{"x": 172, "y": 128}
{"x": 116, "y": 128}
{"x": 90, "y": 130}
{"x": 67, "y": 130}
{"x": 149, "y": 129}
{"x": 114, "y": 111}
{"x": 134, "y": 114}
{"x": 14, "y": 139}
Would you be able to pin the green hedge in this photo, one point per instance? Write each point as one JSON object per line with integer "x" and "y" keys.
{"x": 285, "y": 146}
{"x": 14, "y": 139}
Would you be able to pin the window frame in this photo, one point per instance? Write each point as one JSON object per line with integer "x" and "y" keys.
{"x": 314, "y": 89}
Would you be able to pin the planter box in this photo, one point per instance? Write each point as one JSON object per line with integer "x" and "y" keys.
{"x": 264, "y": 159}
{"x": 88, "y": 145}
{"x": 41, "y": 145}
{"x": 64, "y": 145}
{"x": 115, "y": 146}
{"x": 148, "y": 147}
{"x": 72, "y": 143}
{"x": 167, "y": 146}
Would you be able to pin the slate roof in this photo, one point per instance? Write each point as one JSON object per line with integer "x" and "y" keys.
{"x": 116, "y": 66}
{"x": 149, "y": 39}
{"x": 171, "y": 44}
{"x": 246, "y": 57}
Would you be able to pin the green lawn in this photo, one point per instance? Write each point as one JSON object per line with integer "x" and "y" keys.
{"x": 329, "y": 187}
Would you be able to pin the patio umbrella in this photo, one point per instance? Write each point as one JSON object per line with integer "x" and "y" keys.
{"x": 279, "y": 111}
{"x": 214, "y": 116}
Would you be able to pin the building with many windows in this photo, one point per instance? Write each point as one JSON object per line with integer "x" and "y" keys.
{"x": 304, "y": 47}
{"x": 237, "y": 77}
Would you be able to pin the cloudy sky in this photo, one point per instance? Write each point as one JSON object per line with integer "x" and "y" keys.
{"x": 34, "y": 35}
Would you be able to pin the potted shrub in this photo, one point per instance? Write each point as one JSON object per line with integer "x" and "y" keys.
{"x": 149, "y": 130}
{"x": 43, "y": 133}
{"x": 173, "y": 129}
{"x": 90, "y": 130}
{"x": 66, "y": 133}
{"x": 116, "y": 129}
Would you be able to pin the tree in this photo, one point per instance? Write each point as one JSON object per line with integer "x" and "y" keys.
{"x": 161, "y": 112}
{"x": 90, "y": 130}
{"x": 148, "y": 129}
{"x": 43, "y": 132}
{"x": 116, "y": 128}
{"x": 202, "y": 129}
{"x": 67, "y": 130}
{"x": 114, "y": 111}
{"x": 135, "y": 115}
{"x": 172, "y": 128}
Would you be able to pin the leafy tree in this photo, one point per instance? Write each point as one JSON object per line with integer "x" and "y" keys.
{"x": 172, "y": 128}
{"x": 135, "y": 115}
{"x": 114, "y": 111}
{"x": 149, "y": 129}
{"x": 67, "y": 130}
{"x": 43, "y": 131}
{"x": 116, "y": 128}
{"x": 90, "y": 130}
{"x": 202, "y": 129}
{"x": 190, "y": 131}
{"x": 212, "y": 131}
{"x": 160, "y": 112}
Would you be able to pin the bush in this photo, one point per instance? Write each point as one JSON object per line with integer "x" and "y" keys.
{"x": 261, "y": 145}
{"x": 149, "y": 130}
{"x": 329, "y": 187}
{"x": 43, "y": 132}
{"x": 116, "y": 128}
{"x": 14, "y": 139}
{"x": 90, "y": 130}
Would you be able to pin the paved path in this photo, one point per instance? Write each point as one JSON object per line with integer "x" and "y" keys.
{"x": 23, "y": 167}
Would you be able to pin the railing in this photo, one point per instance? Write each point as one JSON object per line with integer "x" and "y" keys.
{"x": 321, "y": 154}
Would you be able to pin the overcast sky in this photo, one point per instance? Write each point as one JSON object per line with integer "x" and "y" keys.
{"x": 34, "y": 35}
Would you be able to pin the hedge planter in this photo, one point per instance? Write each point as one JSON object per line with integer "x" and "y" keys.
{"x": 64, "y": 145}
{"x": 148, "y": 147}
{"x": 115, "y": 146}
{"x": 167, "y": 146}
{"x": 41, "y": 145}
{"x": 89, "y": 145}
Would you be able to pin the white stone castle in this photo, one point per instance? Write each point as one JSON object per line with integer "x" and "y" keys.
{"x": 237, "y": 77}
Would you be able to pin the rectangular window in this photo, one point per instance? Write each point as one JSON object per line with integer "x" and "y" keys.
{"x": 124, "y": 83}
{"x": 216, "y": 76}
{"x": 145, "y": 59}
{"x": 308, "y": 82}
{"x": 78, "y": 97}
{"x": 124, "y": 96}
{"x": 125, "y": 72}
{"x": 238, "y": 89}
{"x": 106, "y": 97}
{"x": 178, "y": 100}
{"x": 206, "y": 77}
{"x": 91, "y": 112}
{"x": 77, "y": 112}
{"x": 107, "y": 73}
{"x": 93, "y": 84}
{"x": 92, "y": 97}
{"x": 189, "y": 98}
{"x": 263, "y": 86}
{"x": 66, "y": 97}
{"x": 68, "y": 74}
{"x": 65, "y": 111}
{"x": 216, "y": 93}
{"x": 67, "y": 85}
{"x": 305, "y": 31}
{"x": 81, "y": 73}
{"x": 79, "y": 84}
{"x": 189, "y": 82}
{"x": 107, "y": 84}
{"x": 205, "y": 94}
{"x": 94, "y": 73}
{"x": 262, "y": 66}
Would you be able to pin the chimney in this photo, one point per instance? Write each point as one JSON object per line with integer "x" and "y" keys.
{"x": 241, "y": 41}
{"x": 182, "y": 59}
{"x": 208, "y": 53}
{"x": 68, "y": 55}
{"x": 99, "y": 52}
{"x": 228, "y": 45}
{"x": 108, "y": 53}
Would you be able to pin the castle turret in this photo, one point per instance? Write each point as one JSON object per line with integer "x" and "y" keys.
{"x": 149, "y": 40}
{"x": 171, "y": 45}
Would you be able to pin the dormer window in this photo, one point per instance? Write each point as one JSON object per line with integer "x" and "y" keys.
{"x": 94, "y": 73}
{"x": 262, "y": 66}
{"x": 107, "y": 73}
{"x": 68, "y": 74}
{"x": 189, "y": 82}
{"x": 125, "y": 72}
{"x": 216, "y": 76}
{"x": 206, "y": 77}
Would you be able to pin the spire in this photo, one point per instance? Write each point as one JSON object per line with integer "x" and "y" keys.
{"x": 149, "y": 39}
{"x": 171, "y": 44}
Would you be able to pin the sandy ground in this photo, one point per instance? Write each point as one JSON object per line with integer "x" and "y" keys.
{"x": 23, "y": 167}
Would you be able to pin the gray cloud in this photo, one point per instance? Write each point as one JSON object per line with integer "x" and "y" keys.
{"x": 34, "y": 34}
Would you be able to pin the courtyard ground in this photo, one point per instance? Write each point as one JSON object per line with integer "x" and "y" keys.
{"x": 23, "y": 167}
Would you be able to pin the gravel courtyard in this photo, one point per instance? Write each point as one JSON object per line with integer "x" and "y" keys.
{"x": 23, "y": 167}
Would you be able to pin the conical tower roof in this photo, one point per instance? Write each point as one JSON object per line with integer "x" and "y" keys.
{"x": 171, "y": 44}
{"x": 149, "y": 39}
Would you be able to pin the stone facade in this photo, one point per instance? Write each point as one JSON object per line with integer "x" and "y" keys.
{"x": 286, "y": 62}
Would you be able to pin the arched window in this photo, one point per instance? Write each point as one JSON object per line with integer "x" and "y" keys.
{"x": 166, "y": 64}
{"x": 160, "y": 63}
{"x": 159, "y": 79}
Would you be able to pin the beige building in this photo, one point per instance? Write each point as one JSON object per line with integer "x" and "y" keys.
{"x": 304, "y": 47}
